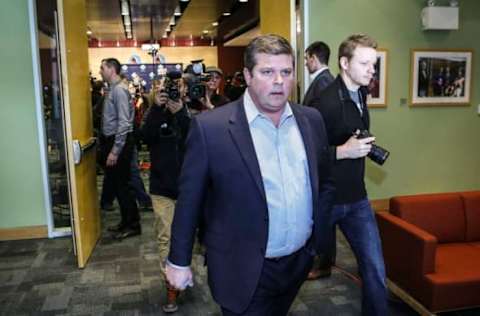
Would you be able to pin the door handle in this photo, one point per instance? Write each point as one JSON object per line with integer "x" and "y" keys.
{"x": 79, "y": 150}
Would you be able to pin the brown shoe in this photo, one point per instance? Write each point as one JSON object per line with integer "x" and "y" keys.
{"x": 171, "y": 305}
{"x": 315, "y": 274}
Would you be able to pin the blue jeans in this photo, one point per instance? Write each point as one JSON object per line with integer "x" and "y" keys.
{"x": 358, "y": 224}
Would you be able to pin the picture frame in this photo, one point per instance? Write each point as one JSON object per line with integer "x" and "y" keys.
{"x": 377, "y": 97}
{"x": 441, "y": 77}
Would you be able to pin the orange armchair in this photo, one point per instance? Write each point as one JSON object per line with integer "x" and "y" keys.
{"x": 431, "y": 246}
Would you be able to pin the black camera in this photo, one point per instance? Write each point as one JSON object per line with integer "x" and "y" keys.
{"x": 377, "y": 153}
{"x": 170, "y": 85}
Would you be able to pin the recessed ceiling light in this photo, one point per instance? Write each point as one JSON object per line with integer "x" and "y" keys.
{"x": 184, "y": 0}
{"x": 205, "y": 31}
{"x": 89, "y": 32}
{"x": 226, "y": 13}
{"x": 215, "y": 23}
{"x": 242, "y": 0}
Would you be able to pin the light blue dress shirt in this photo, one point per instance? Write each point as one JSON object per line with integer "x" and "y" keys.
{"x": 285, "y": 174}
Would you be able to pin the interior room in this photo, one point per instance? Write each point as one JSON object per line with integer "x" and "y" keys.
{"x": 58, "y": 256}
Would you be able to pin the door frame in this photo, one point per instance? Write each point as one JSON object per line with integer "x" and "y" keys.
{"x": 52, "y": 231}
{"x": 305, "y": 8}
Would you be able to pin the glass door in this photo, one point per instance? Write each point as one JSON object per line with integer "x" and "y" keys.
{"x": 54, "y": 118}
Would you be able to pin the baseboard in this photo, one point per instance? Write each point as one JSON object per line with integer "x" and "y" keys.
{"x": 381, "y": 205}
{"x": 29, "y": 232}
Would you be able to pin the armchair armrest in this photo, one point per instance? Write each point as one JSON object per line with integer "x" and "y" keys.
{"x": 409, "y": 251}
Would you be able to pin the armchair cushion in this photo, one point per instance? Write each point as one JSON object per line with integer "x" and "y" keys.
{"x": 442, "y": 215}
{"x": 456, "y": 281}
{"x": 471, "y": 202}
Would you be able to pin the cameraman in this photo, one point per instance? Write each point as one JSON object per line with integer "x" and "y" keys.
{"x": 164, "y": 130}
{"x": 213, "y": 86}
{"x": 344, "y": 109}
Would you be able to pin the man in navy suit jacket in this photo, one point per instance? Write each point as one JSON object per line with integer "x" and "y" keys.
{"x": 317, "y": 55}
{"x": 257, "y": 172}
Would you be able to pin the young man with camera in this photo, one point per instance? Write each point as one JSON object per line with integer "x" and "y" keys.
{"x": 344, "y": 109}
{"x": 164, "y": 130}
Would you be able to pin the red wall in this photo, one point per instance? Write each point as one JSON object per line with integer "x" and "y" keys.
{"x": 230, "y": 59}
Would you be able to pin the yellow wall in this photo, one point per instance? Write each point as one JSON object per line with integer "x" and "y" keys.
{"x": 275, "y": 17}
{"x": 172, "y": 55}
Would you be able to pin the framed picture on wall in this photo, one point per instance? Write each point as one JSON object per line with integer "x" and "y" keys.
{"x": 440, "y": 77}
{"x": 377, "y": 88}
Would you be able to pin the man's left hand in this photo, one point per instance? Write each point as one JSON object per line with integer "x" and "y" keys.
{"x": 111, "y": 159}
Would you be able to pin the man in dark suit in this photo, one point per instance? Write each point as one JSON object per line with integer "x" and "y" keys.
{"x": 317, "y": 55}
{"x": 257, "y": 170}
{"x": 316, "y": 60}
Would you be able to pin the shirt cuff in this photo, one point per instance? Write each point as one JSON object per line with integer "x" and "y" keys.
{"x": 177, "y": 267}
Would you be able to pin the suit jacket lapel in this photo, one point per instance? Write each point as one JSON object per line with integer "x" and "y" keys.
{"x": 240, "y": 132}
{"x": 306, "y": 132}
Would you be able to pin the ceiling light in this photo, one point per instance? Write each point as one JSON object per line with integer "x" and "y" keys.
{"x": 149, "y": 47}
{"x": 226, "y": 13}
{"x": 124, "y": 6}
{"x": 89, "y": 32}
{"x": 242, "y": 0}
{"x": 177, "y": 11}
{"x": 205, "y": 31}
{"x": 215, "y": 23}
{"x": 184, "y": 0}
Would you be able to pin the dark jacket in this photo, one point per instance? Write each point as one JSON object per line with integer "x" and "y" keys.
{"x": 218, "y": 100}
{"x": 165, "y": 135}
{"x": 221, "y": 180}
{"x": 342, "y": 118}
{"x": 323, "y": 80}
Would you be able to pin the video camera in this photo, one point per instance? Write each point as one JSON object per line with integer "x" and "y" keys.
{"x": 196, "y": 79}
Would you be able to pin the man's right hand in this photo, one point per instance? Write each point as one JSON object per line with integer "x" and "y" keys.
{"x": 355, "y": 148}
{"x": 179, "y": 278}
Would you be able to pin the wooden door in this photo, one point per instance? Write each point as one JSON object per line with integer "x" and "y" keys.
{"x": 86, "y": 228}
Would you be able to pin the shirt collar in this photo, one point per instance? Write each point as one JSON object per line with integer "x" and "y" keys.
{"x": 252, "y": 111}
{"x": 316, "y": 73}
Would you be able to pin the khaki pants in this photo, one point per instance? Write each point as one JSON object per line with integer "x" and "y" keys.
{"x": 163, "y": 208}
